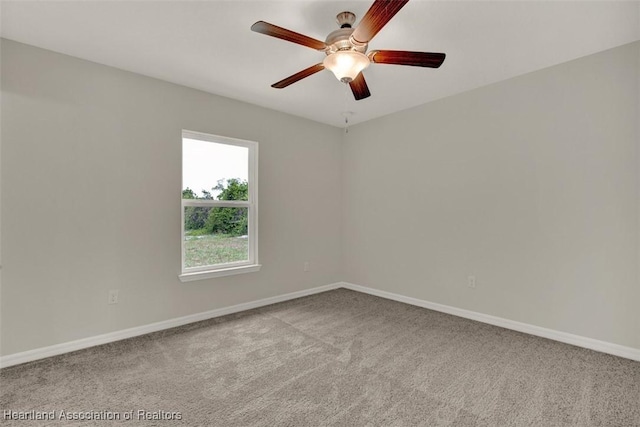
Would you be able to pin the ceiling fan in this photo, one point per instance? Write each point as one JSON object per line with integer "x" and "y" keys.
{"x": 346, "y": 48}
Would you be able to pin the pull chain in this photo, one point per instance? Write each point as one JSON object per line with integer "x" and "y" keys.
{"x": 346, "y": 110}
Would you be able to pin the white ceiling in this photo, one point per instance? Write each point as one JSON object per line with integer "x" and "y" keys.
{"x": 208, "y": 45}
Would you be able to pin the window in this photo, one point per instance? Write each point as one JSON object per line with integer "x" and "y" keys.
{"x": 219, "y": 206}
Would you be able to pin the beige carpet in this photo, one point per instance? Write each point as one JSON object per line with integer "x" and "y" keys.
{"x": 339, "y": 358}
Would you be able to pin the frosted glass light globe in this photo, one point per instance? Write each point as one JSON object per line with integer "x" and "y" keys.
{"x": 346, "y": 64}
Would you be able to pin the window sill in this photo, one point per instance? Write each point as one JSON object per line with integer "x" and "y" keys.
{"x": 202, "y": 275}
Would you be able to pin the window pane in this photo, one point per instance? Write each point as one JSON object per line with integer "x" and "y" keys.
{"x": 215, "y": 235}
{"x": 214, "y": 171}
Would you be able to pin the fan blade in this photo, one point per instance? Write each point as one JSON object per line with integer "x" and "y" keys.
{"x": 359, "y": 88}
{"x": 402, "y": 57}
{"x": 288, "y": 35}
{"x": 298, "y": 76}
{"x": 380, "y": 12}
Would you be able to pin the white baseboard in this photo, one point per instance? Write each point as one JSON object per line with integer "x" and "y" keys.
{"x": 41, "y": 353}
{"x": 577, "y": 340}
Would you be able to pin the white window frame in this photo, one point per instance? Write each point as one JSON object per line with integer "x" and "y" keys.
{"x": 226, "y": 269}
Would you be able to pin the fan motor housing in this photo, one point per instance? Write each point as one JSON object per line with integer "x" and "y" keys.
{"x": 340, "y": 40}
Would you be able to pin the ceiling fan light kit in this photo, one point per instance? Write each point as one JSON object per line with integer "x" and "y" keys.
{"x": 346, "y": 64}
{"x": 346, "y": 47}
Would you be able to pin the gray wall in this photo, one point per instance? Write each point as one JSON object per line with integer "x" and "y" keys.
{"x": 530, "y": 184}
{"x": 91, "y": 181}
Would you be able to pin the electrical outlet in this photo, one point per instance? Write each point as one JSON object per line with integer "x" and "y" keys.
{"x": 113, "y": 296}
{"x": 471, "y": 281}
{"x": 306, "y": 266}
